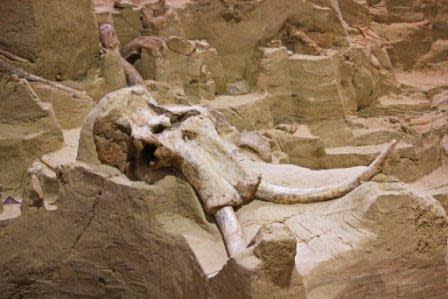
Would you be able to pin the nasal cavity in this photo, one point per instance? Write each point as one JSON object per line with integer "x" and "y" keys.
{"x": 148, "y": 153}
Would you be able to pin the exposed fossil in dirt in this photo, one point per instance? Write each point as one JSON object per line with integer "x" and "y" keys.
{"x": 141, "y": 134}
{"x": 224, "y": 148}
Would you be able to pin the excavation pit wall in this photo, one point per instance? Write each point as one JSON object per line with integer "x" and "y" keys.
{"x": 128, "y": 238}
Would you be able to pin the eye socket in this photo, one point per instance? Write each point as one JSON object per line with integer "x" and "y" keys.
{"x": 158, "y": 129}
{"x": 148, "y": 153}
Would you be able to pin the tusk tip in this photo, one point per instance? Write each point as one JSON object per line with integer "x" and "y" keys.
{"x": 392, "y": 144}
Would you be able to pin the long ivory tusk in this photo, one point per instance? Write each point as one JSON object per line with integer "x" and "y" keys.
{"x": 287, "y": 195}
{"x": 231, "y": 230}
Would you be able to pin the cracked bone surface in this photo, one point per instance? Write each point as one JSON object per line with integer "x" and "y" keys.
{"x": 232, "y": 149}
{"x": 133, "y": 133}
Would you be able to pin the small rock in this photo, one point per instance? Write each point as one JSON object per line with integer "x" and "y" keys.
{"x": 40, "y": 188}
{"x": 238, "y": 88}
{"x": 289, "y": 128}
{"x": 15, "y": 78}
{"x": 276, "y": 43}
{"x": 275, "y": 245}
{"x": 202, "y": 44}
{"x": 123, "y": 4}
{"x": 394, "y": 120}
{"x": 180, "y": 45}
{"x": 445, "y": 145}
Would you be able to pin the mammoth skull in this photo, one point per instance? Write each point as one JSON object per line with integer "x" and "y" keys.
{"x": 135, "y": 134}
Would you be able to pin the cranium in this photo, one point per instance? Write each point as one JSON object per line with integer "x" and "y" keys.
{"x": 130, "y": 131}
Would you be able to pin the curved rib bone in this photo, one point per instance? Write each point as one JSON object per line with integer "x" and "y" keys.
{"x": 287, "y": 195}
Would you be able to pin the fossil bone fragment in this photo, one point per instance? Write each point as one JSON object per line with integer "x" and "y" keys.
{"x": 133, "y": 49}
{"x": 231, "y": 230}
{"x": 7, "y": 68}
{"x": 36, "y": 192}
{"x": 133, "y": 77}
{"x": 132, "y": 132}
{"x": 257, "y": 142}
{"x": 108, "y": 36}
{"x": 109, "y": 40}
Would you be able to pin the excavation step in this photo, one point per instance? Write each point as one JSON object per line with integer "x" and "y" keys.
{"x": 302, "y": 147}
{"x": 430, "y": 82}
{"x": 409, "y": 164}
{"x": 65, "y": 154}
{"x": 349, "y": 156}
{"x": 435, "y": 184}
{"x": 399, "y": 106}
{"x": 374, "y": 130}
{"x": 374, "y": 135}
{"x": 249, "y": 111}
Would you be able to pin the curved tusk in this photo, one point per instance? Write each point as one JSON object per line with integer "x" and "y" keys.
{"x": 287, "y": 195}
{"x": 231, "y": 230}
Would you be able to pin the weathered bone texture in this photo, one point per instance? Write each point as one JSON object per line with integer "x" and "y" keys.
{"x": 256, "y": 142}
{"x": 231, "y": 230}
{"x": 132, "y": 75}
{"x": 138, "y": 136}
{"x": 193, "y": 146}
{"x": 38, "y": 194}
{"x": 109, "y": 40}
{"x": 108, "y": 36}
{"x": 180, "y": 45}
{"x": 7, "y": 68}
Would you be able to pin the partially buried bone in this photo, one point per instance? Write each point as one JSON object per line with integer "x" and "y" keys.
{"x": 185, "y": 138}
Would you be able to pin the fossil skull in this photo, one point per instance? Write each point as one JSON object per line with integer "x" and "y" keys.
{"x": 135, "y": 134}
